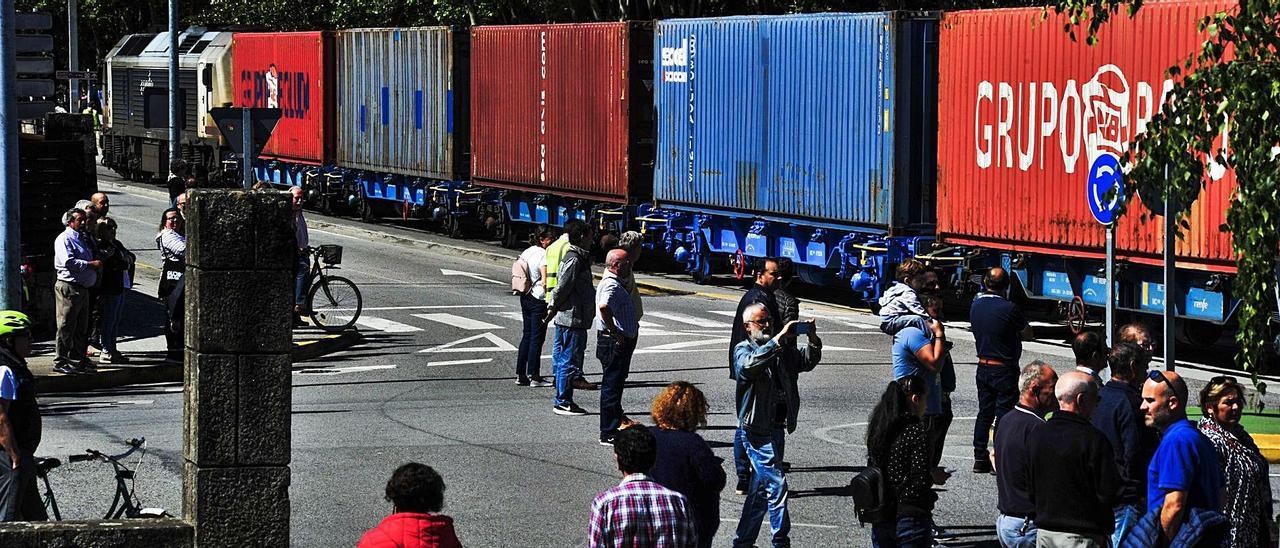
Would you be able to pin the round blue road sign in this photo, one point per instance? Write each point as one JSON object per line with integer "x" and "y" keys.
{"x": 1105, "y": 188}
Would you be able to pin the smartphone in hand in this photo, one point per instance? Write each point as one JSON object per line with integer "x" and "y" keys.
{"x": 804, "y": 328}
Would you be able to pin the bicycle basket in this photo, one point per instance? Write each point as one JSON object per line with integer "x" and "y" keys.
{"x": 331, "y": 254}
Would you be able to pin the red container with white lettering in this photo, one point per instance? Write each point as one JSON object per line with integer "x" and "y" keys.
{"x": 565, "y": 110}
{"x": 291, "y": 71}
{"x": 1026, "y": 114}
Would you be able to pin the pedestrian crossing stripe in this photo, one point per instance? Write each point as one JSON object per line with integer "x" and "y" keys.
{"x": 457, "y": 321}
{"x": 496, "y": 344}
{"x": 380, "y": 324}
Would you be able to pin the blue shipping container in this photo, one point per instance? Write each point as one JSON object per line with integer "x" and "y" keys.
{"x": 827, "y": 120}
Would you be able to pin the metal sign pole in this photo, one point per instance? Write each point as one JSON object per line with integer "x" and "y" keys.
{"x": 10, "y": 256}
{"x": 73, "y": 55}
{"x": 1111, "y": 284}
{"x": 175, "y": 151}
{"x": 1170, "y": 289}
{"x": 246, "y": 159}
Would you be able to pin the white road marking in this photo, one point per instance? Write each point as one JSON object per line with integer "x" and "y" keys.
{"x": 424, "y": 307}
{"x": 689, "y": 344}
{"x": 648, "y": 324}
{"x": 457, "y": 321}
{"x": 824, "y": 433}
{"x": 447, "y": 272}
{"x": 341, "y": 370}
{"x": 793, "y": 524}
{"x": 729, "y": 313}
{"x": 849, "y": 323}
{"x": 459, "y": 362}
{"x": 388, "y": 326}
{"x": 510, "y": 315}
{"x": 496, "y": 344}
{"x": 699, "y": 322}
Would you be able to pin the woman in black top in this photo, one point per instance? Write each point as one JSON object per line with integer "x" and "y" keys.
{"x": 898, "y": 444}
{"x": 117, "y": 276}
{"x": 685, "y": 463}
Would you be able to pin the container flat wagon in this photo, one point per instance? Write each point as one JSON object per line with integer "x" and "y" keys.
{"x": 1028, "y": 116}
{"x": 809, "y": 137}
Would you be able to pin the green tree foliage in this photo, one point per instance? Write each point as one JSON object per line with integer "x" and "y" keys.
{"x": 1231, "y": 88}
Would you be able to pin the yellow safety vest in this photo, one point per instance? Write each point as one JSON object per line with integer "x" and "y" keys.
{"x": 555, "y": 252}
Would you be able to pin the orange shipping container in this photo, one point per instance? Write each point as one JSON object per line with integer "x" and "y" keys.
{"x": 1025, "y": 113}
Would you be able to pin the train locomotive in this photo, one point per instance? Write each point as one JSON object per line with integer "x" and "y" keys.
{"x": 845, "y": 142}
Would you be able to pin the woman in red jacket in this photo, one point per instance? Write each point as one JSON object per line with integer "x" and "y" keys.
{"x": 417, "y": 493}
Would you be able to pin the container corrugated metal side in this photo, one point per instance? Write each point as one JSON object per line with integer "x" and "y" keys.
{"x": 1025, "y": 111}
{"x": 826, "y": 118}
{"x": 291, "y": 71}
{"x": 563, "y": 109}
{"x": 402, "y": 101}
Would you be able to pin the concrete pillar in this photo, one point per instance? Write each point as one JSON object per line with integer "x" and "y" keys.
{"x": 239, "y": 283}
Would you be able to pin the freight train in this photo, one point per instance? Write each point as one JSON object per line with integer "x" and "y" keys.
{"x": 845, "y": 142}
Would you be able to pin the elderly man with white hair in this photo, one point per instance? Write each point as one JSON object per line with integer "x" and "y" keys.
{"x": 77, "y": 273}
{"x": 1074, "y": 478}
{"x": 767, "y": 405}
{"x": 617, "y": 328}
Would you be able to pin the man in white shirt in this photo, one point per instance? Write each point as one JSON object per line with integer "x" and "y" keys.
{"x": 533, "y": 307}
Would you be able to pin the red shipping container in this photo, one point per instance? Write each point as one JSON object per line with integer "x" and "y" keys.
{"x": 1024, "y": 112}
{"x": 291, "y": 71}
{"x": 564, "y": 109}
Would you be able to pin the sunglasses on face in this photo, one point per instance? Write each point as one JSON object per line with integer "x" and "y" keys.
{"x": 167, "y": 219}
{"x": 1223, "y": 379}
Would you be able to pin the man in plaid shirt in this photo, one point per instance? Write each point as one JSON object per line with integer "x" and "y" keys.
{"x": 639, "y": 512}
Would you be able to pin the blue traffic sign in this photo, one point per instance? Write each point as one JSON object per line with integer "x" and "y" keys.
{"x": 1105, "y": 188}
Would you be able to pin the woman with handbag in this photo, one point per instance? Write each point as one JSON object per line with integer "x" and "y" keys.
{"x": 898, "y": 446}
{"x": 172, "y": 242}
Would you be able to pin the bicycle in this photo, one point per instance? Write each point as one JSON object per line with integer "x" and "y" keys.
{"x": 333, "y": 302}
{"x": 126, "y": 503}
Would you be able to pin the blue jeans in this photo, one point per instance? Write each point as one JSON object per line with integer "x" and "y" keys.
{"x": 300, "y": 279}
{"x": 110, "y": 320}
{"x": 1126, "y": 518}
{"x": 741, "y": 463}
{"x": 768, "y": 492}
{"x": 1015, "y": 532}
{"x": 906, "y": 532}
{"x": 529, "y": 358}
{"x": 615, "y": 360}
{"x": 997, "y": 392}
{"x": 567, "y": 350}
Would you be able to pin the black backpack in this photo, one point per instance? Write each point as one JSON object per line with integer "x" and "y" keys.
{"x": 873, "y": 499}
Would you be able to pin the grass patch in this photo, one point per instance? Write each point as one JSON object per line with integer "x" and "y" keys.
{"x": 1267, "y": 422}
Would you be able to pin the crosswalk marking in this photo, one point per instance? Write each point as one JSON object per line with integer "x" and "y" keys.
{"x": 459, "y": 362}
{"x": 517, "y": 316}
{"x": 700, "y": 322}
{"x": 729, "y": 313}
{"x": 457, "y": 321}
{"x": 380, "y": 324}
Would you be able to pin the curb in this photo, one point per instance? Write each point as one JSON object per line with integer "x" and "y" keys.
{"x": 115, "y": 377}
{"x": 316, "y": 348}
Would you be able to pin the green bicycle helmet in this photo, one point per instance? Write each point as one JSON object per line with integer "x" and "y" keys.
{"x": 12, "y": 321}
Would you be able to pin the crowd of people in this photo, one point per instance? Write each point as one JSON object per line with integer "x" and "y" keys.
{"x": 1079, "y": 461}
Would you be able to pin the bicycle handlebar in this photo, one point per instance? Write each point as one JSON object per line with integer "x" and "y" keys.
{"x": 93, "y": 454}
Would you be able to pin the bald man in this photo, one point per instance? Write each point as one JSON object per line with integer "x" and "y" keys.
{"x": 617, "y": 328}
{"x": 1074, "y": 478}
{"x": 998, "y": 331}
{"x": 100, "y": 205}
{"x": 1184, "y": 475}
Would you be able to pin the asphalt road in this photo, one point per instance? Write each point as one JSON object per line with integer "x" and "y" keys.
{"x": 433, "y": 383}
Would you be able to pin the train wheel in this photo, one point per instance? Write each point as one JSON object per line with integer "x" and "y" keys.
{"x": 453, "y": 226}
{"x": 1200, "y": 334}
{"x": 702, "y": 273}
{"x": 366, "y": 209}
{"x": 1077, "y": 315}
{"x": 510, "y": 237}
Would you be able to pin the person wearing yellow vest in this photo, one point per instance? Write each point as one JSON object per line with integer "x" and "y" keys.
{"x": 571, "y": 309}
{"x": 555, "y": 252}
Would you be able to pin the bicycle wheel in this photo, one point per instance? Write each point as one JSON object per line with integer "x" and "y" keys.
{"x": 334, "y": 303}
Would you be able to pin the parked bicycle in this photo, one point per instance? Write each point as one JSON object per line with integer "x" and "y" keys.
{"x": 333, "y": 302}
{"x": 126, "y": 503}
